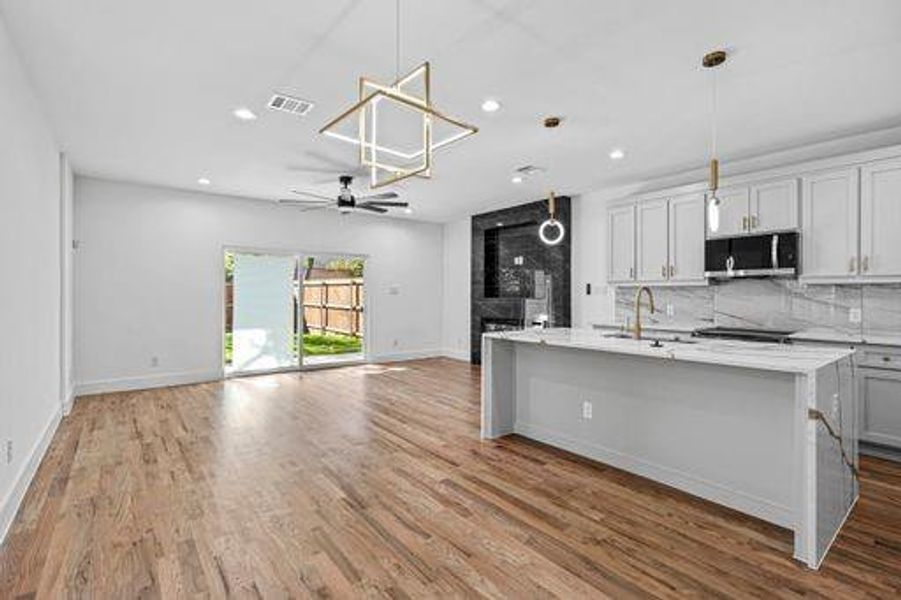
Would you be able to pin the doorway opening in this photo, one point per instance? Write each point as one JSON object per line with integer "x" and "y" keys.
{"x": 292, "y": 311}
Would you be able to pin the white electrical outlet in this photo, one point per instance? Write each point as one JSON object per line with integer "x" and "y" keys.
{"x": 670, "y": 309}
{"x": 586, "y": 410}
{"x": 854, "y": 315}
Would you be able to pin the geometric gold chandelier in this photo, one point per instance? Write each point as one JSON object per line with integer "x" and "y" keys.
{"x": 396, "y": 126}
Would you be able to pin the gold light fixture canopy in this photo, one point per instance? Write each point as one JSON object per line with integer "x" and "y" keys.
{"x": 396, "y": 127}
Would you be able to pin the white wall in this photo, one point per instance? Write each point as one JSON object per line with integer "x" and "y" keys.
{"x": 30, "y": 398}
{"x": 149, "y": 278}
{"x": 455, "y": 305}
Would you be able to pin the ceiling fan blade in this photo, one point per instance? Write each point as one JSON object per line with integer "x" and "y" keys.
{"x": 383, "y": 203}
{"x": 382, "y": 196}
{"x": 369, "y": 207}
{"x": 320, "y": 207}
{"x": 313, "y": 195}
{"x": 298, "y": 202}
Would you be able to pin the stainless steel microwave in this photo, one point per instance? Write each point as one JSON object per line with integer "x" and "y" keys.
{"x": 770, "y": 255}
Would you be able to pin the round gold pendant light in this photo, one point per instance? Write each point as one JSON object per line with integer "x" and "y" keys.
{"x": 551, "y": 230}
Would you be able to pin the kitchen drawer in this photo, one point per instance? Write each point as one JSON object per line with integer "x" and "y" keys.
{"x": 880, "y": 358}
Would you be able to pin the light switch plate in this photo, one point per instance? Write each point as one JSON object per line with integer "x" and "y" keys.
{"x": 670, "y": 309}
{"x": 854, "y": 315}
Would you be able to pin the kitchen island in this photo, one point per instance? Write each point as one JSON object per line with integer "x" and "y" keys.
{"x": 765, "y": 429}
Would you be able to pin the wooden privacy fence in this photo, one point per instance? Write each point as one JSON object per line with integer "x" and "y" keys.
{"x": 333, "y": 305}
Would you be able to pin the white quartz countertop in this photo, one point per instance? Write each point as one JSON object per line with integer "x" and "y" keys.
{"x": 789, "y": 358}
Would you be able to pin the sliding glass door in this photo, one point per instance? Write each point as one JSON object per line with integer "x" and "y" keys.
{"x": 287, "y": 311}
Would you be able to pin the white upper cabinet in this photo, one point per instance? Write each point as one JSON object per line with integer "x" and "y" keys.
{"x": 829, "y": 224}
{"x": 774, "y": 206}
{"x": 621, "y": 244}
{"x": 880, "y": 219}
{"x": 653, "y": 229}
{"x": 734, "y": 220}
{"x": 686, "y": 238}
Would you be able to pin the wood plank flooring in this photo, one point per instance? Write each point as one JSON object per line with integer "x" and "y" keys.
{"x": 372, "y": 482}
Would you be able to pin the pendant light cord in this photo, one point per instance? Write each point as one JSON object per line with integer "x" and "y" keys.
{"x": 397, "y": 40}
{"x": 715, "y": 110}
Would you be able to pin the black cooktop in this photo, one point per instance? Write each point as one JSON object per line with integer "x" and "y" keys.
{"x": 776, "y": 336}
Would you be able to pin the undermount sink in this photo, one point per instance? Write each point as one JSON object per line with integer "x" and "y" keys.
{"x": 622, "y": 335}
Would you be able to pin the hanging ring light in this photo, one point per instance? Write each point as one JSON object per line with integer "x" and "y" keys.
{"x": 552, "y": 231}
{"x": 712, "y": 61}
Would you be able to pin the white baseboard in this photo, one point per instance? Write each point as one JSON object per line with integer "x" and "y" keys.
{"x": 11, "y": 502}
{"x": 409, "y": 355}
{"x": 68, "y": 400}
{"x": 456, "y": 354}
{"x": 147, "y": 382}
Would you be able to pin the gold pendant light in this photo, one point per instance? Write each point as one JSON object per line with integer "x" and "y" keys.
{"x": 389, "y": 162}
{"x": 547, "y": 228}
{"x": 712, "y": 61}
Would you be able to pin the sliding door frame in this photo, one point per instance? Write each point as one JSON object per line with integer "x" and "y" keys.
{"x": 298, "y": 255}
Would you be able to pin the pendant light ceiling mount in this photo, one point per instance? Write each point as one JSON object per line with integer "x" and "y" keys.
{"x": 714, "y": 59}
{"x": 393, "y": 160}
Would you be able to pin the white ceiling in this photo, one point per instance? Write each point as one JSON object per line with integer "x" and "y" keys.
{"x": 143, "y": 91}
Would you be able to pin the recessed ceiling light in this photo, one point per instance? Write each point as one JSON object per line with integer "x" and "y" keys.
{"x": 204, "y": 181}
{"x": 516, "y": 179}
{"x": 617, "y": 154}
{"x": 408, "y": 210}
{"x": 245, "y": 114}
{"x": 491, "y": 105}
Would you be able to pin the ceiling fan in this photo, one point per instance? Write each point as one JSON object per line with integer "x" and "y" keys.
{"x": 346, "y": 202}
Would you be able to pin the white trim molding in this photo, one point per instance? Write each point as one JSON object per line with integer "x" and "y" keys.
{"x": 10, "y": 505}
{"x": 147, "y": 382}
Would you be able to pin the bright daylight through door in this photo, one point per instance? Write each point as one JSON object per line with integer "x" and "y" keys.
{"x": 285, "y": 312}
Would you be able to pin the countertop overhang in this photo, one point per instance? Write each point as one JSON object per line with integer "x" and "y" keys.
{"x": 786, "y": 358}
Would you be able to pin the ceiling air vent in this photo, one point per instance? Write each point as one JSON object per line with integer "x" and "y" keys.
{"x": 529, "y": 170}
{"x": 290, "y": 104}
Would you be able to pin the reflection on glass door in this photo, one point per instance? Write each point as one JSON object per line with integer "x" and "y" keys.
{"x": 263, "y": 313}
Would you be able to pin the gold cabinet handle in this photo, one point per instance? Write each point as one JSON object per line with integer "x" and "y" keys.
{"x": 866, "y": 264}
{"x": 754, "y": 221}
{"x": 672, "y": 270}
{"x": 631, "y": 272}
{"x": 744, "y": 223}
{"x": 851, "y": 265}
{"x": 663, "y": 271}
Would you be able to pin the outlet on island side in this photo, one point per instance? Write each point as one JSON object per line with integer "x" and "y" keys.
{"x": 670, "y": 309}
{"x": 586, "y": 410}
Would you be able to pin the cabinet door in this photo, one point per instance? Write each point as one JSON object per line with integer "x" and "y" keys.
{"x": 686, "y": 237}
{"x": 880, "y": 407}
{"x": 829, "y": 207}
{"x": 733, "y": 212}
{"x": 621, "y": 244}
{"x": 880, "y": 219}
{"x": 653, "y": 246}
{"x": 774, "y": 206}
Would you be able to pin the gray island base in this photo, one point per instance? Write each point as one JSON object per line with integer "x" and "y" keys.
{"x": 736, "y": 423}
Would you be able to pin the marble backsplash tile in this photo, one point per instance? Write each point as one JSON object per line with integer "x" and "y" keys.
{"x": 881, "y": 309}
{"x": 772, "y": 304}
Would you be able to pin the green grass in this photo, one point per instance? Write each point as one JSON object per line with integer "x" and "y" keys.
{"x": 318, "y": 344}
{"x": 314, "y": 344}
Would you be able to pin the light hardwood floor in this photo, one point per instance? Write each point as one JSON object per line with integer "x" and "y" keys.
{"x": 372, "y": 481}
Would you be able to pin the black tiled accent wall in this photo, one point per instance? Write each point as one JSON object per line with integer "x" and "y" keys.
{"x": 500, "y": 285}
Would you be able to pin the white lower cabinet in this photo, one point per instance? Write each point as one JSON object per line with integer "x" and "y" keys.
{"x": 880, "y": 407}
